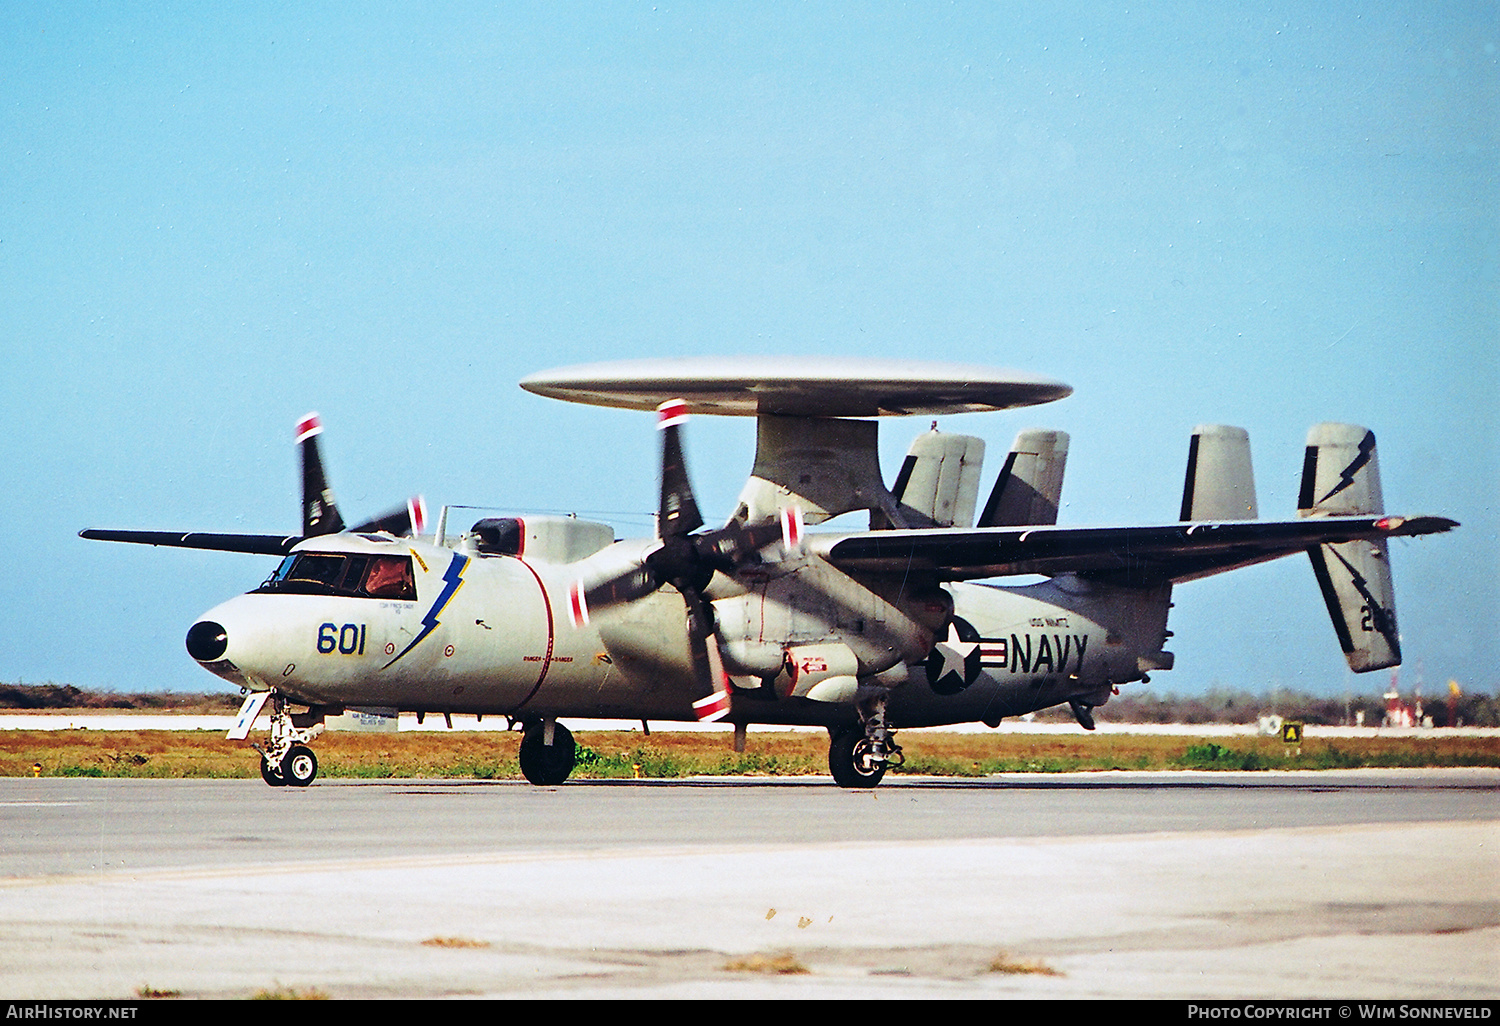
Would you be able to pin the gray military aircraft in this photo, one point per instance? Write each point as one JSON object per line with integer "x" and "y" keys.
{"x": 541, "y": 618}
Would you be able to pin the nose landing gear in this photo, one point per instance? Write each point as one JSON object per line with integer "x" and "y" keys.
{"x": 286, "y": 759}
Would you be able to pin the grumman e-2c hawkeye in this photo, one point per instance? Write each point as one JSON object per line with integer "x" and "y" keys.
{"x": 544, "y": 618}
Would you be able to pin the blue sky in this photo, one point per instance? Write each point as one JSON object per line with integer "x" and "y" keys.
{"x": 214, "y": 218}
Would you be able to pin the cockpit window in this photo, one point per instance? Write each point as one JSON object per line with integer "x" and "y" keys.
{"x": 390, "y": 577}
{"x": 317, "y": 570}
{"x": 356, "y": 576}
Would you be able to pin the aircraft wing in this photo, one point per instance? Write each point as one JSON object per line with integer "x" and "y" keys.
{"x": 262, "y": 544}
{"x": 1176, "y": 552}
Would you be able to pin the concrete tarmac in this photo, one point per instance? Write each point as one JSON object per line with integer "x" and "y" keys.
{"x": 1374, "y": 884}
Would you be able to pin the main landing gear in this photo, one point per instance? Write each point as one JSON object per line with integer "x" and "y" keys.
{"x": 547, "y": 752}
{"x": 286, "y": 759}
{"x": 858, "y": 756}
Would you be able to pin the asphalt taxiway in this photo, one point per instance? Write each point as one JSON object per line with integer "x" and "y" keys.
{"x": 1256, "y": 885}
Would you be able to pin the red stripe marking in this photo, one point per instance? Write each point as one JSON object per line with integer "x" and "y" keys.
{"x": 551, "y": 636}
{"x": 578, "y": 610}
{"x": 791, "y": 526}
{"x": 673, "y": 411}
{"x": 714, "y": 707}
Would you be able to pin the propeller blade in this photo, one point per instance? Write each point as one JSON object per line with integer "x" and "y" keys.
{"x": 735, "y": 544}
{"x": 687, "y": 563}
{"x": 679, "y": 511}
{"x": 409, "y": 519}
{"x": 684, "y": 559}
{"x": 792, "y": 539}
{"x": 634, "y": 583}
{"x": 708, "y": 664}
{"x": 320, "y": 514}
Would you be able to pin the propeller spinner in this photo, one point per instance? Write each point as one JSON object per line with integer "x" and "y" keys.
{"x": 687, "y": 561}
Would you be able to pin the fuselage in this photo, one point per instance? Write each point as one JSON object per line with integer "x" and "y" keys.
{"x": 374, "y": 621}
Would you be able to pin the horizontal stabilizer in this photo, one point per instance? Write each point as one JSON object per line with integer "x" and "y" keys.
{"x": 1220, "y": 483}
{"x": 1029, "y": 488}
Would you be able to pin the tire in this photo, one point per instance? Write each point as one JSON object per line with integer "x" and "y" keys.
{"x": 543, "y": 765}
{"x": 271, "y": 775}
{"x": 299, "y": 766}
{"x": 844, "y": 760}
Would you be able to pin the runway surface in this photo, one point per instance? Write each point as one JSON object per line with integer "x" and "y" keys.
{"x": 1249, "y": 885}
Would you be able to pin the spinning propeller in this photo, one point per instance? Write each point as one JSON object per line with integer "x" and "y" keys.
{"x": 687, "y": 562}
{"x": 320, "y": 514}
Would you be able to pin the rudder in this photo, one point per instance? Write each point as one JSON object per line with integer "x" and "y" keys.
{"x": 940, "y": 478}
{"x": 1220, "y": 482}
{"x": 1029, "y": 487}
{"x": 1341, "y": 477}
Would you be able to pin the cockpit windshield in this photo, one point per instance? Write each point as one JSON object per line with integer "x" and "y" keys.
{"x": 354, "y": 575}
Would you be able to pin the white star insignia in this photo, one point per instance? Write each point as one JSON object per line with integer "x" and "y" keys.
{"x": 955, "y": 653}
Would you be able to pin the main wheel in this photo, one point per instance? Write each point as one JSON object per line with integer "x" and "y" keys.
{"x": 271, "y": 774}
{"x": 299, "y": 766}
{"x": 849, "y": 759}
{"x": 547, "y": 765}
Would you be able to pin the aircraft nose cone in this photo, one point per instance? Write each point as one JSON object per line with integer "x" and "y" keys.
{"x": 207, "y": 641}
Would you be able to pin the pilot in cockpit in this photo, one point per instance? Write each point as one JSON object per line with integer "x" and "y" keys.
{"x": 390, "y": 577}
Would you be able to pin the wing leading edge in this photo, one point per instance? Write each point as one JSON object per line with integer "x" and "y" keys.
{"x": 1176, "y": 552}
{"x": 261, "y": 544}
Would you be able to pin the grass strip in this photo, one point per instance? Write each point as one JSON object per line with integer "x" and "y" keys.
{"x": 629, "y": 754}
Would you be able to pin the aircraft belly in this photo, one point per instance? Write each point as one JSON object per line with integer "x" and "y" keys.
{"x": 1015, "y": 650}
{"x": 1009, "y": 651}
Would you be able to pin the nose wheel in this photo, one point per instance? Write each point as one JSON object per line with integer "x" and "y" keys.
{"x": 299, "y": 766}
{"x": 286, "y": 760}
{"x": 271, "y": 773}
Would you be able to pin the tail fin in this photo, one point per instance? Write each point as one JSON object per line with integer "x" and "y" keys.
{"x": 1341, "y": 476}
{"x": 1220, "y": 482}
{"x": 320, "y": 514}
{"x": 1030, "y": 484}
{"x": 940, "y": 478}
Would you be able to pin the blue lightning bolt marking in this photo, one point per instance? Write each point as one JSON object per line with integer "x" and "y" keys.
{"x": 452, "y": 581}
{"x": 1346, "y": 477}
{"x": 1383, "y": 619}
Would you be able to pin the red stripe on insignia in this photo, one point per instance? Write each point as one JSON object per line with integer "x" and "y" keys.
{"x": 308, "y": 426}
{"x": 671, "y": 413}
{"x": 416, "y": 507}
